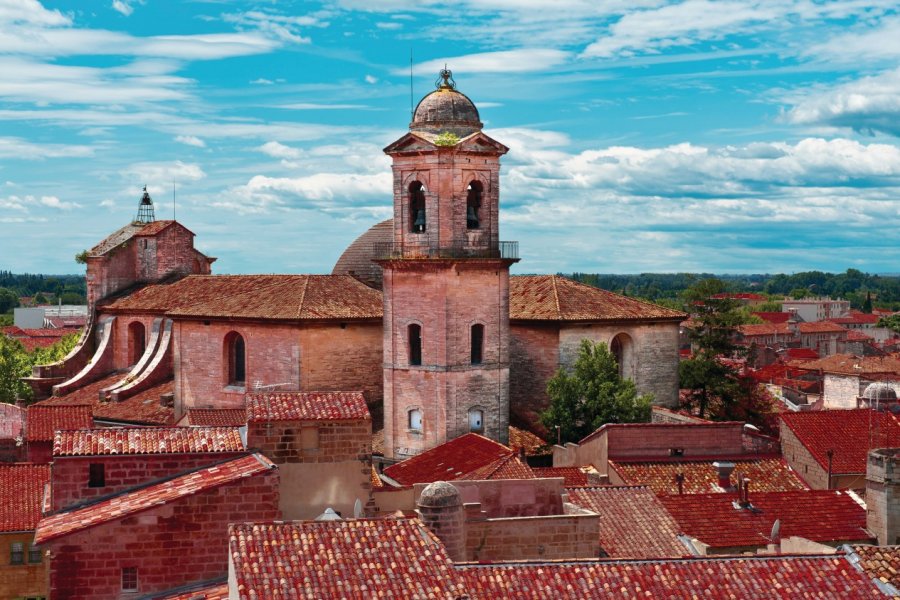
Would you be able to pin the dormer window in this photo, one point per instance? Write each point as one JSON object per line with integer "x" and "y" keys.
{"x": 417, "y": 218}
{"x": 473, "y": 205}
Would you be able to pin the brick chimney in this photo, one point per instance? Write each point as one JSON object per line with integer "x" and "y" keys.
{"x": 442, "y": 511}
{"x": 883, "y": 495}
{"x": 724, "y": 470}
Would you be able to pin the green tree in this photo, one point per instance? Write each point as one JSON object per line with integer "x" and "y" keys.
{"x": 800, "y": 293}
{"x": 14, "y": 364}
{"x": 8, "y": 300}
{"x": 592, "y": 394}
{"x": 40, "y": 298}
{"x": 867, "y": 305}
{"x": 892, "y": 322}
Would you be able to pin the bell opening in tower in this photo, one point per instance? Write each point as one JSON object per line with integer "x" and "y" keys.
{"x": 417, "y": 207}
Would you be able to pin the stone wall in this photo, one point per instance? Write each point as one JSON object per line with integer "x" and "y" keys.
{"x": 533, "y": 538}
{"x": 883, "y": 496}
{"x": 69, "y": 475}
{"x": 342, "y": 357}
{"x": 510, "y": 497}
{"x": 533, "y": 360}
{"x": 840, "y": 391}
{"x": 801, "y": 460}
{"x": 27, "y": 580}
{"x": 171, "y": 545}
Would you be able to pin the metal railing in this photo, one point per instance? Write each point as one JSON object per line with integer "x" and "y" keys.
{"x": 389, "y": 250}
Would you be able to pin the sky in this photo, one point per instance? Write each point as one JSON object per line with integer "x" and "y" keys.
{"x": 749, "y": 136}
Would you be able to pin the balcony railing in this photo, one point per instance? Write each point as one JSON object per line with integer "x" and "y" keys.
{"x": 389, "y": 250}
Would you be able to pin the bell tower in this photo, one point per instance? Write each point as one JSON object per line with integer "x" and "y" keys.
{"x": 446, "y": 281}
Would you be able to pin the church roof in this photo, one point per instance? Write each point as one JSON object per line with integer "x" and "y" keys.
{"x": 557, "y": 298}
{"x": 142, "y": 408}
{"x": 120, "y": 441}
{"x": 42, "y": 421}
{"x": 278, "y": 297}
{"x": 307, "y": 406}
{"x": 633, "y": 523}
{"x": 123, "y": 505}
{"x": 129, "y": 231}
{"x": 360, "y": 558}
{"x": 357, "y": 261}
{"x": 21, "y": 495}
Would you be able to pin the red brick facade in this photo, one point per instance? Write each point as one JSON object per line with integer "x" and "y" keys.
{"x": 174, "y": 544}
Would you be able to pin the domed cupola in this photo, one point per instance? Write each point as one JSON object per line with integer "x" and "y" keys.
{"x": 446, "y": 109}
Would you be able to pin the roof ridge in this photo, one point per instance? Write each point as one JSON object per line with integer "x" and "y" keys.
{"x": 555, "y": 295}
{"x": 302, "y": 296}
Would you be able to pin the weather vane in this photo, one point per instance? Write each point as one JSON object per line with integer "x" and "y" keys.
{"x": 445, "y": 79}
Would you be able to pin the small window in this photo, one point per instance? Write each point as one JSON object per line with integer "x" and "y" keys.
{"x": 17, "y": 553}
{"x": 415, "y": 419}
{"x": 129, "y": 579}
{"x": 417, "y": 220}
{"x": 476, "y": 420}
{"x": 236, "y": 355}
{"x": 415, "y": 344}
{"x": 676, "y": 451}
{"x": 477, "y": 343}
{"x": 473, "y": 205}
{"x": 96, "y": 475}
{"x": 34, "y": 554}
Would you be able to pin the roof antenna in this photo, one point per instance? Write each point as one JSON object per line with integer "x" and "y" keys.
{"x": 411, "y": 109}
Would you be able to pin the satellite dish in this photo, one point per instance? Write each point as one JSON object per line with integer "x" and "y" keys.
{"x": 357, "y": 509}
{"x": 776, "y": 530}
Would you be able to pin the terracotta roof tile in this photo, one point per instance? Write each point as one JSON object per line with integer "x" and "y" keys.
{"x": 850, "y": 364}
{"x": 217, "y": 417}
{"x": 506, "y": 467}
{"x": 771, "y": 577}
{"x": 572, "y": 476}
{"x": 770, "y": 474}
{"x": 820, "y": 327}
{"x": 155, "y": 227}
{"x": 276, "y": 297}
{"x": 120, "y": 506}
{"x": 21, "y": 495}
{"x": 856, "y": 318}
{"x": 774, "y": 317}
{"x": 880, "y": 562}
{"x": 42, "y": 421}
{"x": 527, "y": 441}
{"x": 556, "y": 298}
{"x": 147, "y": 440}
{"x": 358, "y": 559}
{"x": 217, "y": 590}
{"x": 116, "y": 238}
{"x": 849, "y": 433}
{"x": 143, "y": 408}
{"x": 307, "y": 406}
{"x": 633, "y": 523}
{"x": 760, "y": 329}
{"x": 451, "y": 460}
{"x": 358, "y": 258}
{"x": 818, "y": 515}
{"x": 855, "y": 335}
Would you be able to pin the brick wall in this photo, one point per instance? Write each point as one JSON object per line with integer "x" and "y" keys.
{"x": 800, "y": 459}
{"x": 69, "y": 475}
{"x": 538, "y": 538}
{"x": 533, "y": 360}
{"x": 26, "y": 580}
{"x": 336, "y": 357}
{"x": 337, "y": 441}
{"x": 123, "y": 345}
{"x": 510, "y": 497}
{"x": 171, "y": 545}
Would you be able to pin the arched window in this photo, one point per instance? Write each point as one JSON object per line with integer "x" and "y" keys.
{"x": 417, "y": 220}
{"x": 473, "y": 205}
{"x": 621, "y": 349}
{"x": 236, "y": 356}
{"x": 137, "y": 342}
{"x": 476, "y": 420}
{"x": 477, "y": 343}
{"x": 415, "y": 419}
{"x": 415, "y": 344}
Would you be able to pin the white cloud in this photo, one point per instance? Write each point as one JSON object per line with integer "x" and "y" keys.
{"x": 11, "y": 147}
{"x": 26, "y": 203}
{"x": 262, "y": 81}
{"x": 190, "y": 140}
{"x": 163, "y": 173}
{"x": 280, "y": 27}
{"x": 504, "y": 61}
{"x": 371, "y": 79}
{"x": 122, "y": 7}
{"x": 333, "y": 193}
{"x": 17, "y": 12}
{"x": 867, "y": 44}
{"x": 322, "y": 106}
{"x": 278, "y": 150}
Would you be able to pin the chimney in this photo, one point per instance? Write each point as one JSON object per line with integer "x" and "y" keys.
{"x": 745, "y": 492}
{"x": 679, "y": 479}
{"x": 724, "y": 470}
{"x": 441, "y": 509}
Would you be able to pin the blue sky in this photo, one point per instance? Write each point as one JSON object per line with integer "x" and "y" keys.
{"x": 733, "y": 136}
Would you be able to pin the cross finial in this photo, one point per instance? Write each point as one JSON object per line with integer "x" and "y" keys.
{"x": 445, "y": 79}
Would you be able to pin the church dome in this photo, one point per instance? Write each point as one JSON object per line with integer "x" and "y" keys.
{"x": 358, "y": 259}
{"x": 880, "y": 392}
{"x": 446, "y": 109}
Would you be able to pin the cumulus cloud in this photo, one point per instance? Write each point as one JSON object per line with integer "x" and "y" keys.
{"x": 326, "y": 192}
{"x": 867, "y": 43}
{"x": 11, "y": 147}
{"x": 503, "y": 61}
{"x": 278, "y": 150}
{"x": 190, "y": 140}
{"x": 870, "y": 104}
{"x": 25, "y": 203}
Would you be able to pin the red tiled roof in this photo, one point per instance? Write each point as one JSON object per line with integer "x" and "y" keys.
{"x": 217, "y": 417}
{"x": 147, "y": 440}
{"x": 771, "y": 474}
{"x": 820, "y": 327}
{"x": 307, "y": 406}
{"x": 203, "y": 591}
{"x": 774, "y": 317}
{"x": 770, "y": 577}
{"x": 275, "y": 297}
{"x": 855, "y": 335}
{"x": 880, "y": 562}
{"x": 21, "y": 495}
{"x": 651, "y": 427}
{"x": 849, "y": 433}
{"x": 155, "y": 227}
{"x": 849, "y": 364}
{"x": 572, "y": 476}
{"x": 116, "y": 238}
{"x": 42, "y": 421}
{"x": 817, "y": 515}
{"x": 856, "y": 318}
{"x": 765, "y": 329}
{"x": 143, "y": 408}
{"x": 633, "y": 523}
{"x": 118, "y": 507}
{"x": 451, "y": 460}
{"x": 507, "y": 467}
{"x": 527, "y": 441}
{"x": 801, "y": 354}
{"x": 358, "y": 559}
{"x": 556, "y": 298}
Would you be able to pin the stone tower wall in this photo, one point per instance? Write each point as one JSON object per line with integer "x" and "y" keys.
{"x": 883, "y": 495}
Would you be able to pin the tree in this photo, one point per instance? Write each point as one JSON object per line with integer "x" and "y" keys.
{"x": 867, "y": 305}
{"x": 892, "y": 322}
{"x": 14, "y": 365}
{"x": 8, "y": 300}
{"x": 40, "y": 299}
{"x": 592, "y": 394}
